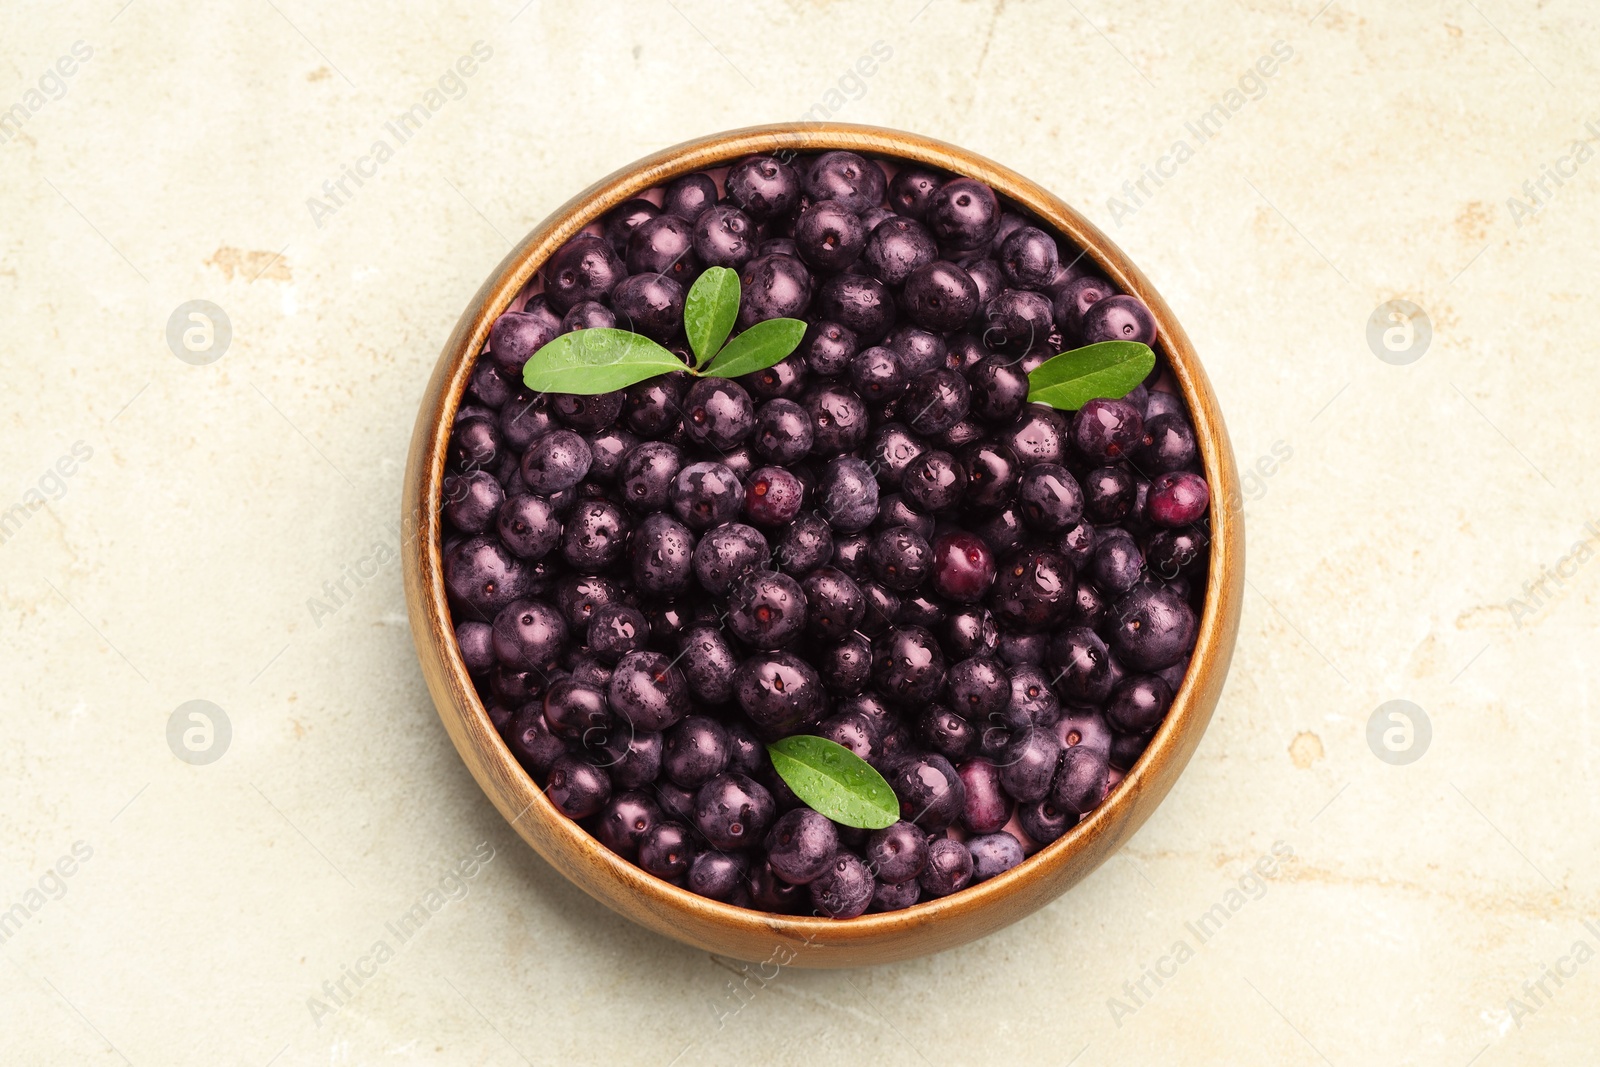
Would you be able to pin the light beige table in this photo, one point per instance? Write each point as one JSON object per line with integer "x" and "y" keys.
{"x": 223, "y": 530}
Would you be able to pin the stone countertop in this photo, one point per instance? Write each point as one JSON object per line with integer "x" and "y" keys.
{"x": 1419, "y": 503}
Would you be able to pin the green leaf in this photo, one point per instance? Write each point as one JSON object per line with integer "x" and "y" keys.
{"x": 709, "y": 311}
{"x": 1105, "y": 371}
{"x": 758, "y": 348}
{"x": 835, "y": 781}
{"x": 596, "y": 360}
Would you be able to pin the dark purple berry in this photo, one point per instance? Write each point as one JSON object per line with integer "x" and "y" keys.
{"x": 993, "y": 854}
{"x": 733, "y": 811}
{"x": 939, "y": 296}
{"x": 1028, "y": 765}
{"x": 900, "y": 558}
{"x": 949, "y": 868}
{"x": 829, "y": 236}
{"x": 772, "y": 497}
{"x": 667, "y": 850}
{"x": 856, "y": 183}
{"x": 782, "y": 433}
{"x": 827, "y": 348}
{"x": 1178, "y": 498}
{"x": 1080, "y": 666}
{"x": 482, "y": 574}
{"x": 859, "y": 302}
{"x": 1029, "y": 257}
{"x": 688, "y": 196}
{"x": 1081, "y": 782}
{"x": 763, "y": 187}
{"x": 595, "y": 536}
{"x": 848, "y": 494}
{"x": 725, "y": 553}
{"x": 898, "y": 246}
{"x": 577, "y": 788}
{"x": 1049, "y": 498}
{"x": 778, "y": 691}
{"x": 908, "y": 666}
{"x": 663, "y": 245}
{"x": 986, "y": 807}
{"x": 845, "y": 889}
{"x": 1107, "y": 430}
{"x": 648, "y": 690}
{"x": 1033, "y": 590}
{"x": 556, "y": 461}
{"x": 912, "y": 189}
{"x": 834, "y": 604}
{"x": 963, "y": 214}
{"x": 694, "y": 751}
{"x": 651, "y": 304}
{"x": 708, "y": 662}
{"x": 1118, "y": 318}
{"x": 472, "y": 500}
{"x": 585, "y": 268}
{"x": 624, "y": 219}
{"x": 1154, "y": 629}
{"x": 624, "y": 822}
{"x": 646, "y": 474}
{"x": 706, "y": 495}
{"x": 773, "y": 287}
{"x": 846, "y": 667}
{"x": 801, "y": 846}
{"x": 806, "y": 545}
{"x": 663, "y": 556}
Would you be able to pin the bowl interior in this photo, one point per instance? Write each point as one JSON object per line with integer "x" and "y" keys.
{"x": 808, "y": 940}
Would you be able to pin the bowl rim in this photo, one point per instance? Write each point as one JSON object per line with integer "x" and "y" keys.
{"x": 929, "y": 925}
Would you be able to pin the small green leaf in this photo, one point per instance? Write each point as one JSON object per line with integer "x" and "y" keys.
{"x": 710, "y": 310}
{"x": 1105, "y": 371}
{"x": 835, "y": 781}
{"x": 596, "y": 360}
{"x": 758, "y": 348}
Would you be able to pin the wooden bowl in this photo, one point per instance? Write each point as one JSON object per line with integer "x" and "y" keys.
{"x": 738, "y": 932}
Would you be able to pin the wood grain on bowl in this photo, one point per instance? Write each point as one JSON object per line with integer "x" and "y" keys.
{"x": 738, "y": 932}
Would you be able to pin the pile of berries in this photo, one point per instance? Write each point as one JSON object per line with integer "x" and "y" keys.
{"x": 878, "y": 540}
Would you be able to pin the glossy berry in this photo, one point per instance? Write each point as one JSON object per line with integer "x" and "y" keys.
{"x": 897, "y": 247}
{"x": 848, "y": 494}
{"x": 556, "y": 461}
{"x": 1044, "y": 822}
{"x": 763, "y": 187}
{"x": 963, "y": 214}
{"x": 782, "y": 432}
{"x": 706, "y": 495}
{"x": 900, "y": 558}
{"x": 993, "y": 854}
{"x": 949, "y": 868}
{"x": 1033, "y": 590}
{"x": 934, "y": 481}
{"x": 651, "y": 304}
{"x": 912, "y": 189}
{"x": 723, "y": 236}
{"x": 480, "y": 573}
{"x": 986, "y": 806}
{"x": 939, "y": 296}
{"x": 856, "y": 183}
{"x": 1169, "y": 443}
{"x": 472, "y": 500}
{"x": 646, "y": 474}
{"x": 999, "y": 390}
{"x": 1109, "y": 495}
{"x": 772, "y": 497}
{"x": 908, "y": 666}
{"x": 1074, "y": 300}
{"x": 993, "y": 473}
{"x": 624, "y": 219}
{"x": 688, "y": 196}
{"x": 1080, "y": 666}
{"x": 585, "y": 268}
{"x": 845, "y": 889}
{"x": 733, "y": 810}
{"x": 897, "y": 853}
{"x": 778, "y": 691}
{"x": 578, "y": 789}
{"x": 663, "y": 245}
{"x": 662, "y": 551}
{"x": 1017, "y": 320}
{"x": 1029, "y": 258}
{"x": 827, "y": 348}
{"x": 708, "y": 661}
{"x": 859, "y": 302}
{"x": 930, "y": 791}
{"x": 529, "y": 635}
{"x": 694, "y": 751}
{"x": 1138, "y": 704}
{"x": 1049, "y": 498}
{"x": 595, "y": 536}
{"x": 935, "y": 401}
{"x": 718, "y": 413}
{"x": 801, "y": 846}
{"x": 1038, "y": 436}
{"x": 1107, "y": 430}
{"x": 1117, "y": 564}
{"x": 1118, "y": 318}
{"x": 1028, "y": 765}
{"x": 875, "y": 375}
{"x": 834, "y": 603}
{"x": 963, "y": 566}
{"x": 806, "y": 545}
{"x": 829, "y": 236}
{"x": 1155, "y": 628}
{"x": 838, "y": 420}
{"x": 625, "y": 820}
{"x": 648, "y": 690}
{"x": 668, "y": 850}
{"x": 725, "y": 553}
{"x": 766, "y": 609}
{"x": 1178, "y": 498}
{"x": 773, "y": 286}
{"x": 1080, "y": 784}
